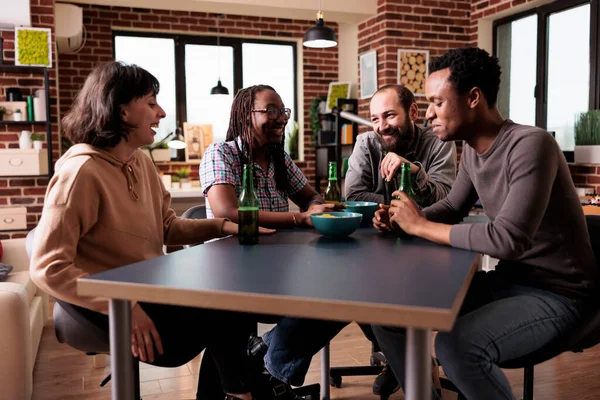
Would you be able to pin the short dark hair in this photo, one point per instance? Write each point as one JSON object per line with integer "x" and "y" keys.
{"x": 471, "y": 67}
{"x": 405, "y": 97}
{"x": 95, "y": 117}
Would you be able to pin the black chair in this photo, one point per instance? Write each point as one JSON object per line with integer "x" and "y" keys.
{"x": 375, "y": 367}
{"x": 73, "y": 326}
{"x": 586, "y": 336}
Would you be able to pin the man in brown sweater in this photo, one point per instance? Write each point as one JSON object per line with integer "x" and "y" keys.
{"x": 546, "y": 276}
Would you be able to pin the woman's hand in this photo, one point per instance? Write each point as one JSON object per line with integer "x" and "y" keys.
{"x": 381, "y": 219}
{"x": 405, "y": 213}
{"x": 231, "y": 228}
{"x": 304, "y": 220}
{"x": 144, "y": 336}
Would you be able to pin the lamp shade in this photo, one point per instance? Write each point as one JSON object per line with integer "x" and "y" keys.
{"x": 320, "y": 36}
{"x": 178, "y": 142}
{"x": 219, "y": 89}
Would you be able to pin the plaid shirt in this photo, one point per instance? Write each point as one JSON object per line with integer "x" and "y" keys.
{"x": 222, "y": 165}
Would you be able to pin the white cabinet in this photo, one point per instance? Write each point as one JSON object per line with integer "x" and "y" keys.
{"x": 19, "y": 162}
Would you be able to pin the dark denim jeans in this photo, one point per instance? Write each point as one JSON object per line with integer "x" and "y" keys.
{"x": 292, "y": 344}
{"x": 500, "y": 321}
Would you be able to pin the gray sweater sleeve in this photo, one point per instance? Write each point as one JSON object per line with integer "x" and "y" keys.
{"x": 359, "y": 184}
{"x": 454, "y": 207}
{"x": 434, "y": 184}
{"x": 531, "y": 166}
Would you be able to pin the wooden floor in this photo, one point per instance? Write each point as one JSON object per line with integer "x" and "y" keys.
{"x": 63, "y": 373}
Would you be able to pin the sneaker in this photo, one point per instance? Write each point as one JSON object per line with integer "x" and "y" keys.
{"x": 386, "y": 383}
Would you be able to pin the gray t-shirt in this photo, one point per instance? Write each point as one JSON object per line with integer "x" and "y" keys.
{"x": 536, "y": 224}
{"x": 432, "y": 183}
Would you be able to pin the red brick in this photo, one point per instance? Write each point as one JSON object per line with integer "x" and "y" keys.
{"x": 22, "y": 182}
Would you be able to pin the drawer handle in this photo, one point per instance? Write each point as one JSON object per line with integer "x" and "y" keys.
{"x": 15, "y": 162}
{"x": 9, "y": 220}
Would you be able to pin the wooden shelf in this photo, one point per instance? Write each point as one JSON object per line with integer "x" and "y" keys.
{"x": 21, "y": 69}
{"x": 15, "y": 230}
{"x": 192, "y": 162}
{"x": 23, "y": 123}
{"x": 23, "y": 176}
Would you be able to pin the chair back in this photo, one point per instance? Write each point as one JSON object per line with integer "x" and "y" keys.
{"x": 194, "y": 212}
{"x": 74, "y": 328}
{"x": 587, "y": 334}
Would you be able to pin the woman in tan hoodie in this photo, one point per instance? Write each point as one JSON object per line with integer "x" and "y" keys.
{"x": 106, "y": 207}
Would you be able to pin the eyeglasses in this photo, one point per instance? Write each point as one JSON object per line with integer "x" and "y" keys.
{"x": 274, "y": 113}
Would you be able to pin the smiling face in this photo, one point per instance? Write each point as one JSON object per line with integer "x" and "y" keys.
{"x": 268, "y": 131}
{"x": 391, "y": 122}
{"x": 142, "y": 114}
{"x": 449, "y": 112}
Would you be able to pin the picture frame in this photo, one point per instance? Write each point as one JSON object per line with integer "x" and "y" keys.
{"x": 33, "y": 47}
{"x": 337, "y": 90}
{"x": 197, "y": 138}
{"x": 368, "y": 74}
{"x": 413, "y": 70}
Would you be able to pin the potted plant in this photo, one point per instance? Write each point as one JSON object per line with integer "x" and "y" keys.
{"x": 587, "y": 137}
{"x": 292, "y": 140}
{"x": 314, "y": 115}
{"x": 175, "y": 184}
{"x": 37, "y": 139}
{"x": 184, "y": 175}
{"x": 2, "y": 112}
{"x": 17, "y": 116}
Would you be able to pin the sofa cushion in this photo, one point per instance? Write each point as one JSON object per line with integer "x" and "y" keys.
{"x": 22, "y": 278}
{"x": 4, "y": 271}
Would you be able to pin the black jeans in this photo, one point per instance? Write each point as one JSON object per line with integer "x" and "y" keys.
{"x": 186, "y": 331}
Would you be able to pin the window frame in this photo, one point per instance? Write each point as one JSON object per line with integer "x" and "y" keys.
{"x": 236, "y": 42}
{"x": 541, "y": 87}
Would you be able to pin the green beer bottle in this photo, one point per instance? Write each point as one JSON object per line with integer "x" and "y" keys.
{"x": 248, "y": 209}
{"x": 332, "y": 192}
{"x": 406, "y": 187}
{"x": 405, "y": 181}
{"x": 388, "y": 187}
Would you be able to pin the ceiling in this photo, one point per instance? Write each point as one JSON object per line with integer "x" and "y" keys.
{"x": 341, "y": 11}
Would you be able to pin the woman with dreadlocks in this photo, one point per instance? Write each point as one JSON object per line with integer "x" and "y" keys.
{"x": 256, "y": 136}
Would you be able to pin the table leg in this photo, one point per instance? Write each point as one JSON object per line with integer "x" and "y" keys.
{"x": 121, "y": 361}
{"x": 325, "y": 372}
{"x": 418, "y": 364}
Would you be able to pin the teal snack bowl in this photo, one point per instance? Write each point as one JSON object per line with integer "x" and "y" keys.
{"x": 336, "y": 224}
{"x": 366, "y": 208}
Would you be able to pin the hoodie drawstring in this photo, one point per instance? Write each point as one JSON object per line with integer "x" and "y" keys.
{"x": 131, "y": 180}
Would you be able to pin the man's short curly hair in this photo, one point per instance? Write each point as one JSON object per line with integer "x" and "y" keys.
{"x": 471, "y": 67}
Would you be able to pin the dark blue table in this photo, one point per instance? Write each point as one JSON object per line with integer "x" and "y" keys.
{"x": 368, "y": 277}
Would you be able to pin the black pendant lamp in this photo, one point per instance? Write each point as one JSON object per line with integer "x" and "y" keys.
{"x": 320, "y": 36}
{"x": 219, "y": 89}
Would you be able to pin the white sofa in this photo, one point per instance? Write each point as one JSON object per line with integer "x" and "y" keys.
{"x": 23, "y": 312}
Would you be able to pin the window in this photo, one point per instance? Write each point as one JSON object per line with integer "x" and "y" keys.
{"x": 142, "y": 51}
{"x": 549, "y": 61}
{"x": 189, "y": 66}
{"x": 200, "y": 77}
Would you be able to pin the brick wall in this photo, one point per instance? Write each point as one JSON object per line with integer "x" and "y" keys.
{"x": 486, "y": 9}
{"x": 320, "y": 65}
{"x": 433, "y": 25}
{"x": 27, "y": 191}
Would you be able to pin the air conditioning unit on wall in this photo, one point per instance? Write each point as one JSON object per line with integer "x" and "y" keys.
{"x": 70, "y": 32}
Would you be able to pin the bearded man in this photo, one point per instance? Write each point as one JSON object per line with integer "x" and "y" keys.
{"x": 433, "y": 162}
